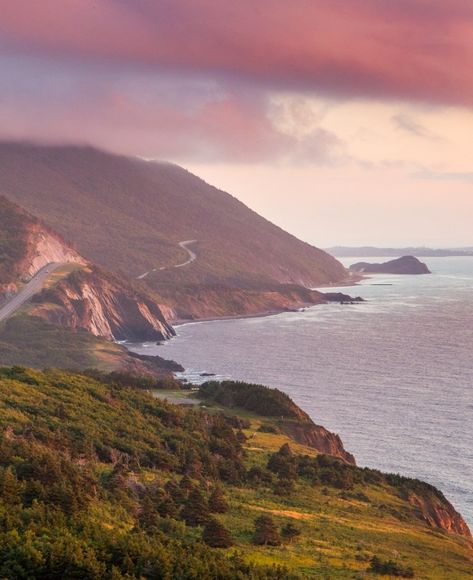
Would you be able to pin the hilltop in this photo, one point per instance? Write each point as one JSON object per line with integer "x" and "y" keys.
{"x": 130, "y": 216}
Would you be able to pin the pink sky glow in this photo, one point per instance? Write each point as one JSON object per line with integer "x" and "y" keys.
{"x": 357, "y": 111}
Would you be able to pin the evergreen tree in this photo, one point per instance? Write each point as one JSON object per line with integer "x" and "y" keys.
{"x": 283, "y": 487}
{"x": 10, "y": 487}
{"x": 217, "y": 501}
{"x": 195, "y": 511}
{"x": 174, "y": 491}
{"x": 284, "y": 463}
{"x": 167, "y": 507}
{"x": 266, "y": 533}
{"x": 259, "y": 475}
{"x": 148, "y": 516}
{"x": 289, "y": 532}
{"x": 216, "y": 534}
{"x": 186, "y": 485}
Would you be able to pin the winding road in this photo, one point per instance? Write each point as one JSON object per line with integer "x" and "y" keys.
{"x": 31, "y": 288}
{"x": 185, "y": 246}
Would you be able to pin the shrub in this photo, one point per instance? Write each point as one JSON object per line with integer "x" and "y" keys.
{"x": 289, "y": 532}
{"x": 389, "y": 568}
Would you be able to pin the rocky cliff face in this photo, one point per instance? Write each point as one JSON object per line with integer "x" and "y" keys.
{"x": 45, "y": 247}
{"x": 26, "y": 245}
{"x": 105, "y": 306}
{"x": 438, "y": 512}
{"x": 319, "y": 438}
{"x": 220, "y": 300}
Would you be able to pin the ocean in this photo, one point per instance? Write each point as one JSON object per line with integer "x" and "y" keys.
{"x": 393, "y": 375}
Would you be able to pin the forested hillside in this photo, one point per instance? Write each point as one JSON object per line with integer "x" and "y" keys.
{"x": 99, "y": 480}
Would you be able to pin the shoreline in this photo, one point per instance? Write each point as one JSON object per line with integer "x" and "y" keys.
{"x": 265, "y": 314}
{"x": 352, "y": 281}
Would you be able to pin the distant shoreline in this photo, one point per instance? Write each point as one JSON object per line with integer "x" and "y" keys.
{"x": 352, "y": 281}
{"x": 378, "y": 252}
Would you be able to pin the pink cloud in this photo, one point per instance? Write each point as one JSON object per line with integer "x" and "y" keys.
{"x": 122, "y": 119}
{"x": 413, "y": 49}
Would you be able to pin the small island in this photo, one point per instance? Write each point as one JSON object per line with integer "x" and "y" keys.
{"x": 404, "y": 265}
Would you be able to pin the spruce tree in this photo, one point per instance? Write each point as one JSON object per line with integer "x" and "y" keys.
{"x": 217, "y": 502}
{"x": 195, "y": 511}
{"x": 283, "y": 487}
{"x": 167, "y": 507}
{"x": 216, "y": 534}
{"x": 266, "y": 533}
{"x": 186, "y": 485}
{"x": 284, "y": 463}
{"x": 175, "y": 491}
{"x": 148, "y": 516}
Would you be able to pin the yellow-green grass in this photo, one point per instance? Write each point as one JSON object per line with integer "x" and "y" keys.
{"x": 339, "y": 534}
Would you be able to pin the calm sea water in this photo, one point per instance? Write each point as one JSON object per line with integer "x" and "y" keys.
{"x": 393, "y": 376}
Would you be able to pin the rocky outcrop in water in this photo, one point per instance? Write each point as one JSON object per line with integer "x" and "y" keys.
{"x": 105, "y": 306}
{"x": 341, "y": 298}
{"x": 403, "y": 265}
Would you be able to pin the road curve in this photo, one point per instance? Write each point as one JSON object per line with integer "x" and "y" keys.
{"x": 184, "y": 245}
{"x": 192, "y": 255}
{"x": 31, "y": 288}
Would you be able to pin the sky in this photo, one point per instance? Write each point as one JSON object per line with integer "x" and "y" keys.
{"x": 347, "y": 122}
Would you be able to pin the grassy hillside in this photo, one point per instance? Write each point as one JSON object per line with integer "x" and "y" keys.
{"x": 101, "y": 481}
{"x": 129, "y": 215}
{"x": 32, "y": 341}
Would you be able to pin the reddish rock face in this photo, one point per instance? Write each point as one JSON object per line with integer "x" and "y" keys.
{"x": 105, "y": 306}
{"x": 31, "y": 246}
{"x": 319, "y": 438}
{"x": 438, "y": 512}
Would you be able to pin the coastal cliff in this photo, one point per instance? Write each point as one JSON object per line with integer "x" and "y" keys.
{"x": 104, "y": 305}
{"x": 221, "y": 301}
{"x": 315, "y": 436}
{"x": 268, "y": 402}
{"x": 438, "y": 512}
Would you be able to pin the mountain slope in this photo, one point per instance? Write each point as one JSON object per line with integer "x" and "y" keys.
{"x": 82, "y": 296}
{"x": 131, "y": 215}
